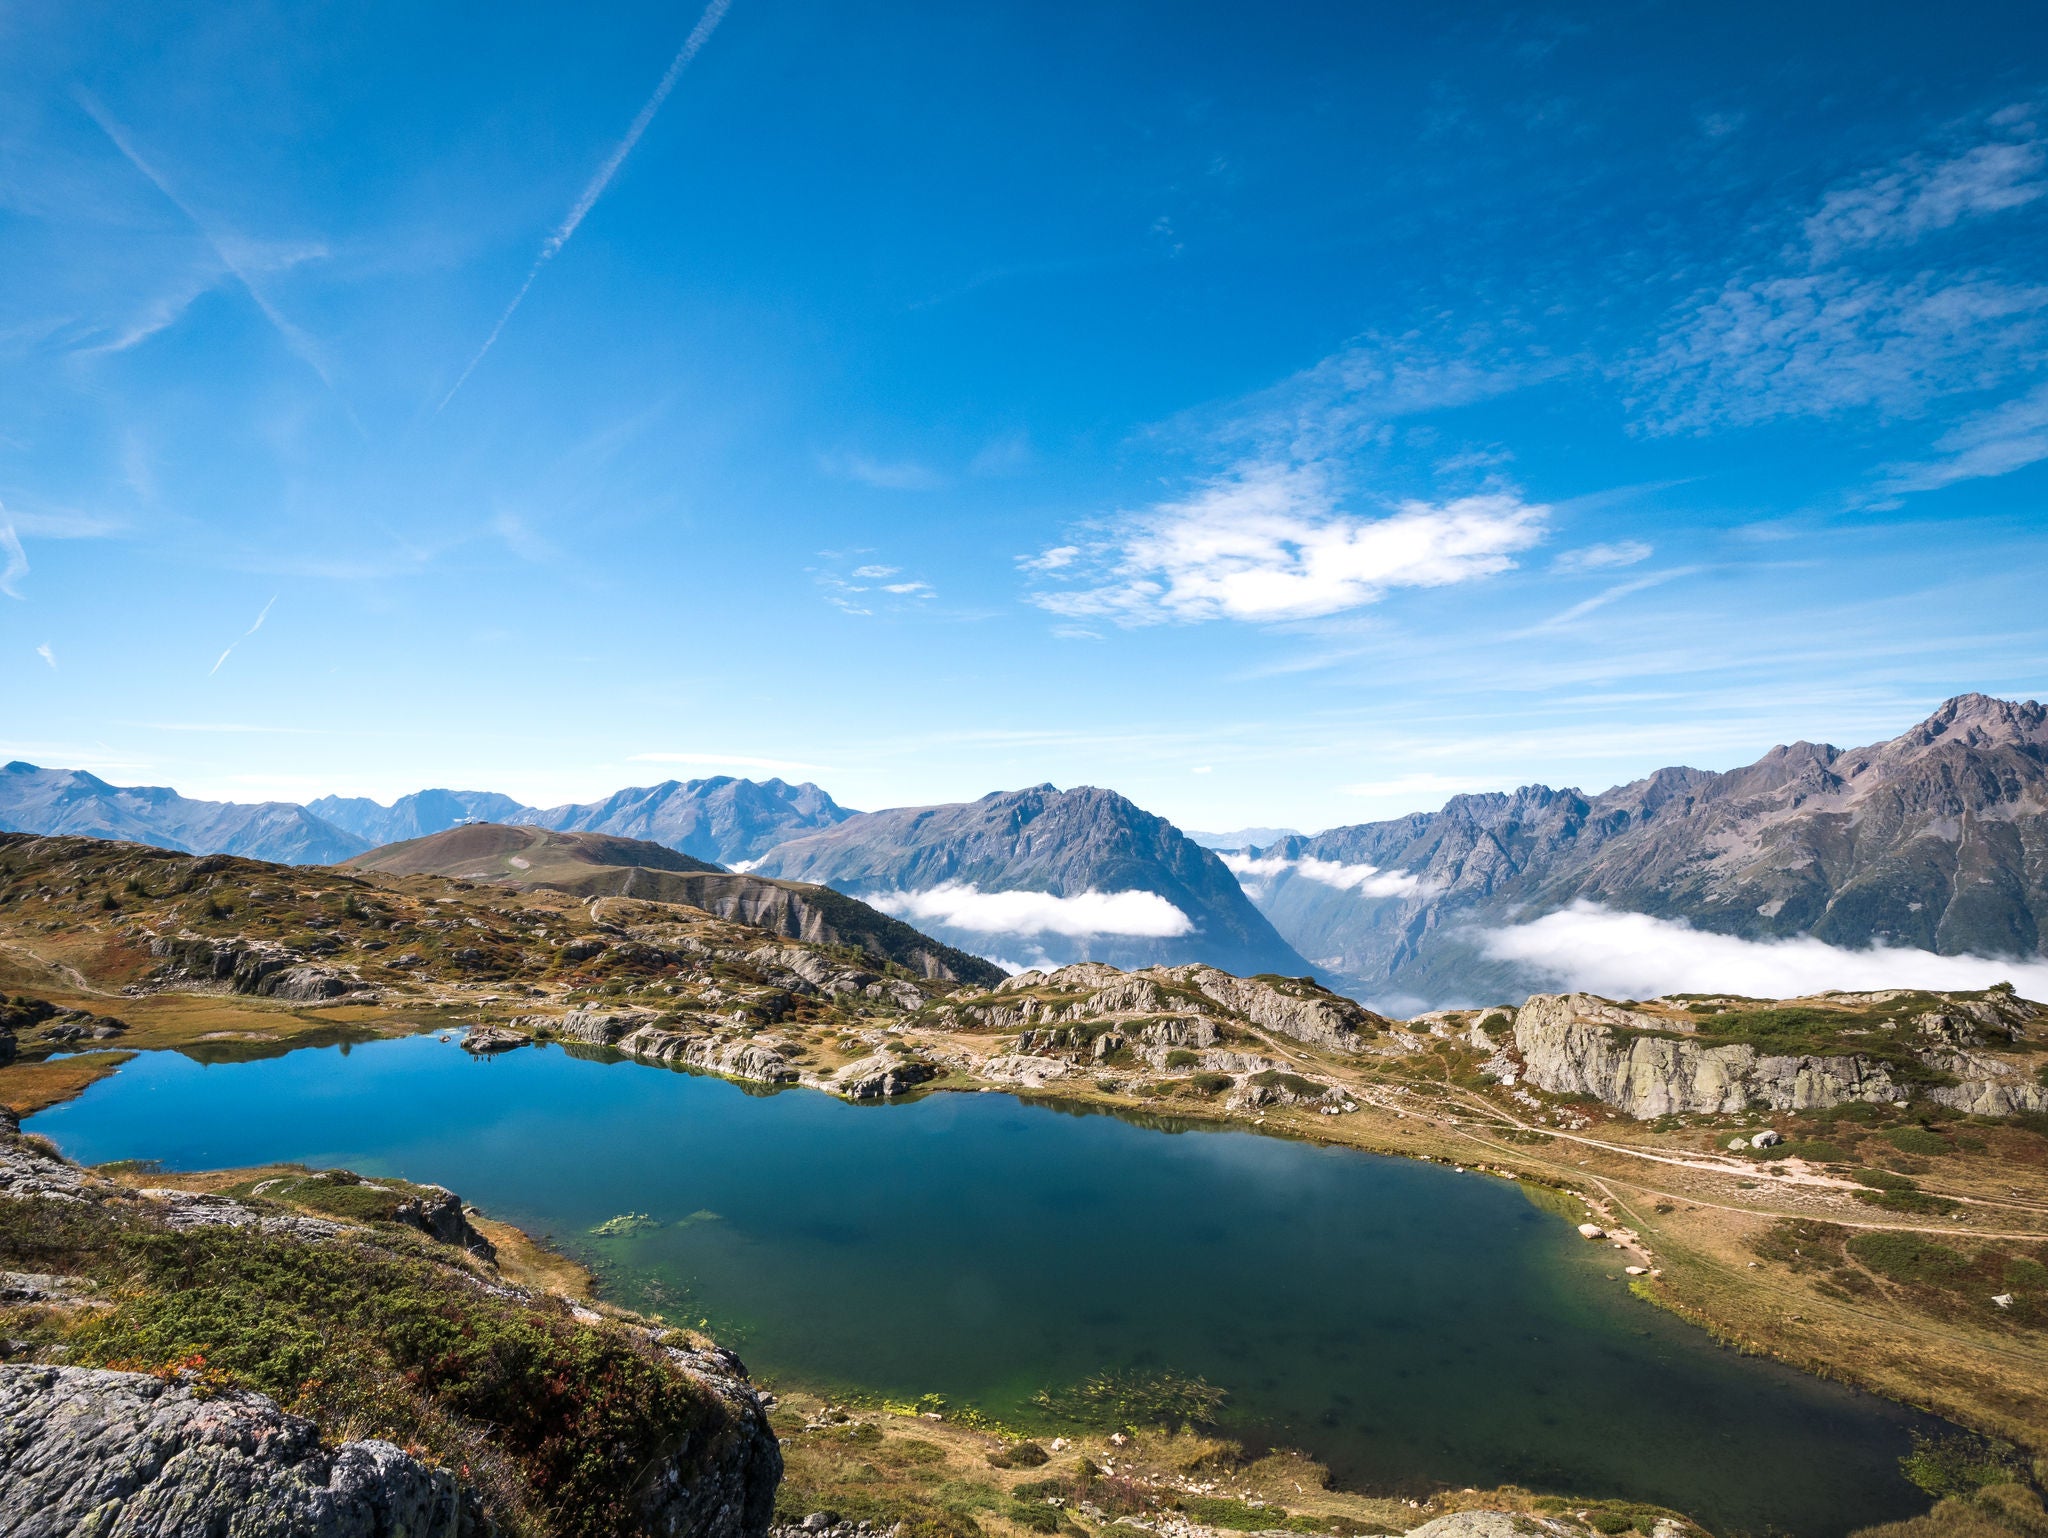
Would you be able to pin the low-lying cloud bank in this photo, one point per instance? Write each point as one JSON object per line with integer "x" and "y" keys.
{"x": 1632, "y": 955}
{"x": 1365, "y": 880}
{"x": 957, "y": 905}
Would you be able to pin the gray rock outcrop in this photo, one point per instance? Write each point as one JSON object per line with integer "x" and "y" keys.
{"x": 1645, "y": 1064}
{"x": 637, "y": 1034}
{"x": 259, "y": 968}
{"x": 89, "y": 1452}
{"x": 882, "y": 1076}
{"x": 1570, "y": 1046}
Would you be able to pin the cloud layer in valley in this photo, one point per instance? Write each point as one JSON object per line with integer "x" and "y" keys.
{"x": 1366, "y": 880}
{"x": 1632, "y": 955}
{"x": 957, "y": 905}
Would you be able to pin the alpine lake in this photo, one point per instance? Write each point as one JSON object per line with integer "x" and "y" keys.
{"x": 1406, "y": 1324}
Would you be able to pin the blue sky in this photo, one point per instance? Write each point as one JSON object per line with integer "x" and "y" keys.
{"x": 1286, "y": 417}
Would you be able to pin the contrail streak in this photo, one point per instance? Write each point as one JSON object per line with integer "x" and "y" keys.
{"x": 301, "y": 345}
{"x": 700, "y": 34}
{"x": 243, "y": 636}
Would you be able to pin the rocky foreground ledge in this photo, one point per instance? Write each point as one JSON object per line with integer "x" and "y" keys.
{"x": 86, "y": 1451}
{"x": 441, "y": 1395}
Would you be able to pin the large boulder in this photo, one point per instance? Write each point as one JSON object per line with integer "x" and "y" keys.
{"x": 89, "y": 1452}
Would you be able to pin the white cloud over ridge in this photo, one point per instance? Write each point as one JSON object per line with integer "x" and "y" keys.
{"x": 959, "y": 905}
{"x": 1633, "y": 955}
{"x": 1268, "y": 543}
{"x": 1365, "y": 880}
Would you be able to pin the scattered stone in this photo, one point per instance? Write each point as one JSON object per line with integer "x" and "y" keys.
{"x": 1592, "y": 1231}
{"x": 1768, "y": 1138}
{"x": 487, "y": 1040}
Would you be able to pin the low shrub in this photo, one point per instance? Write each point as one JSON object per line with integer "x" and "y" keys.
{"x": 1917, "y": 1140}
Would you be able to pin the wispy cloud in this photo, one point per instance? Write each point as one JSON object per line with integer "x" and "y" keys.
{"x": 1602, "y": 599}
{"x": 242, "y": 258}
{"x": 2008, "y": 437}
{"x": 856, "y": 590}
{"x": 1819, "y": 344}
{"x": 559, "y": 237}
{"x": 1632, "y": 955}
{"x": 1625, "y": 552}
{"x": 1922, "y": 194}
{"x": 16, "y": 566}
{"x": 957, "y": 905}
{"x": 1267, "y": 542}
{"x": 1835, "y": 321}
{"x": 730, "y": 761}
{"x": 885, "y": 475}
{"x": 48, "y": 654}
{"x": 1417, "y": 789}
{"x": 238, "y": 640}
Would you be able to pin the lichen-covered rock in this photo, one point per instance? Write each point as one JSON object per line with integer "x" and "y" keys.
{"x": 86, "y": 1453}
{"x": 724, "y": 1488}
{"x": 438, "y": 1213}
{"x": 256, "y": 967}
{"x": 883, "y": 1075}
{"x": 1287, "y": 1007}
{"x": 1568, "y": 1045}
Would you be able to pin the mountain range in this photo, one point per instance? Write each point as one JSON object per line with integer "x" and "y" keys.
{"x": 34, "y": 800}
{"x": 1936, "y": 839}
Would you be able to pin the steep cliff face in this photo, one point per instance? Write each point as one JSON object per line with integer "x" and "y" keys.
{"x": 1936, "y": 839}
{"x": 1571, "y": 1047}
{"x": 1651, "y": 1061}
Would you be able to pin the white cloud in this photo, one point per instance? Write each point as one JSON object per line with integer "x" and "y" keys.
{"x": 958, "y": 905}
{"x": 44, "y": 651}
{"x": 876, "y": 573}
{"x": 1919, "y": 196}
{"x": 1625, "y": 552}
{"x": 1267, "y": 543}
{"x": 1365, "y": 880}
{"x": 2008, "y": 437}
{"x": 909, "y": 589}
{"x": 1632, "y": 955}
{"x": 1051, "y": 560}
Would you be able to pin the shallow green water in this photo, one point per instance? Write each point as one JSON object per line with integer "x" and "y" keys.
{"x": 1404, "y": 1323}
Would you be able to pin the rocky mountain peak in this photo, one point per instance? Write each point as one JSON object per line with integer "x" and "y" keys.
{"x": 1979, "y": 721}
